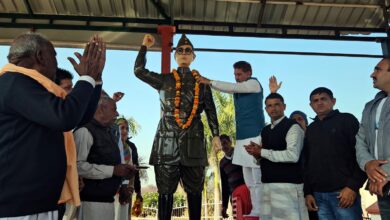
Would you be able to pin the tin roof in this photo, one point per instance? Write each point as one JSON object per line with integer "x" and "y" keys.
{"x": 124, "y": 22}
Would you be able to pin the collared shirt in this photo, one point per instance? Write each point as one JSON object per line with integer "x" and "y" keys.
{"x": 294, "y": 140}
{"x": 248, "y": 86}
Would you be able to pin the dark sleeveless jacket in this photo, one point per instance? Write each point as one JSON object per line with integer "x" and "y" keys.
{"x": 249, "y": 113}
{"x": 105, "y": 151}
{"x": 277, "y": 172}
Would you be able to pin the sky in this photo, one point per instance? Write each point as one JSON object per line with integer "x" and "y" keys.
{"x": 348, "y": 78}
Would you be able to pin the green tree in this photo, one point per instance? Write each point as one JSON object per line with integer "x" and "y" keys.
{"x": 226, "y": 118}
{"x": 179, "y": 199}
{"x": 226, "y": 114}
{"x": 150, "y": 199}
{"x": 134, "y": 127}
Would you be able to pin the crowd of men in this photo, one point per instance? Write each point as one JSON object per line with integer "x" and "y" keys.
{"x": 63, "y": 144}
{"x": 302, "y": 167}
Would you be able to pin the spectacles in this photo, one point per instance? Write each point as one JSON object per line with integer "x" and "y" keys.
{"x": 186, "y": 51}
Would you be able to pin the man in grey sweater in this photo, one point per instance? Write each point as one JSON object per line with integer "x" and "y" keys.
{"x": 373, "y": 141}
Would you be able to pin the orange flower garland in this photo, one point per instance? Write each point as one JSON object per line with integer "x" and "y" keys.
{"x": 187, "y": 124}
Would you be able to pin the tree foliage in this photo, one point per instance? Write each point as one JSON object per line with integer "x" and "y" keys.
{"x": 151, "y": 199}
{"x": 134, "y": 127}
{"x": 226, "y": 118}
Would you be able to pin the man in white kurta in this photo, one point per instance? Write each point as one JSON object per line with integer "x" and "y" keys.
{"x": 248, "y": 102}
{"x": 99, "y": 163}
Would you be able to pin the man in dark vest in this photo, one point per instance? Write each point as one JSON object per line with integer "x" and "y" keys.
{"x": 279, "y": 156}
{"x": 99, "y": 163}
{"x": 179, "y": 148}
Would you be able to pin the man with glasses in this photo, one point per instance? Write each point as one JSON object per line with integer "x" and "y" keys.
{"x": 179, "y": 149}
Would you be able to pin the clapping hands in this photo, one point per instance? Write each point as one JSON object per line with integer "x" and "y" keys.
{"x": 92, "y": 62}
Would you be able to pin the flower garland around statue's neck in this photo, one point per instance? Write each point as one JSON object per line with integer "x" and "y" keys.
{"x": 178, "y": 84}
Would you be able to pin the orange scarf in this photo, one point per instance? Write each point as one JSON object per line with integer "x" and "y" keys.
{"x": 70, "y": 192}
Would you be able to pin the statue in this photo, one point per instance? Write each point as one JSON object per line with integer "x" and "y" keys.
{"x": 179, "y": 148}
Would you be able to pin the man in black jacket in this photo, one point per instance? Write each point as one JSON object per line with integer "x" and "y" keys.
{"x": 32, "y": 122}
{"x": 332, "y": 175}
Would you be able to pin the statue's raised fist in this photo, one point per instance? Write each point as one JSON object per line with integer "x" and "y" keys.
{"x": 148, "y": 40}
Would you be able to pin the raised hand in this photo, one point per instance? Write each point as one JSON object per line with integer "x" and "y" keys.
{"x": 91, "y": 63}
{"x": 273, "y": 84}
{"x": 216, "y": 143}
{"x": 118, "y": 96}
{"x": 102, "y": 60}
{"x": 148, "y": 40}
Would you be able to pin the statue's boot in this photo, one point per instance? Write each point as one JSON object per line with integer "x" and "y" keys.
{"x": 165, "y": 202}
{"x": 194, "y": 205}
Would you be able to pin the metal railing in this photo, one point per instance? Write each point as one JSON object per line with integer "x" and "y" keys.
{"x": 181, "y": 213}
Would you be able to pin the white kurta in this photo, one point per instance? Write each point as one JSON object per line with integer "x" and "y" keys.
{"x": 122, "y": 211}
{"x": 92, "y": 210}
{"x": 241, "y": 156}
{"x": 53, "y": 215}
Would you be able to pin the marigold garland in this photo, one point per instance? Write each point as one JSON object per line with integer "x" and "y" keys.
{"x": 187, "y": 124}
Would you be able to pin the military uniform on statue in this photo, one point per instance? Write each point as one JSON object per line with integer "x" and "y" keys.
{"x": 179, "y": 149}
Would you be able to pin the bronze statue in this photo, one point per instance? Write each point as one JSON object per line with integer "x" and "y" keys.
{"x": 179, "y": 148}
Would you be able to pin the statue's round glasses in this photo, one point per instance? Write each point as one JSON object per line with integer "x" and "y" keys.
{"x": 185, "y": 51}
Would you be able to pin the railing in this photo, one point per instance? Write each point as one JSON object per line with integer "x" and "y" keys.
{"x": 181, "y": 213}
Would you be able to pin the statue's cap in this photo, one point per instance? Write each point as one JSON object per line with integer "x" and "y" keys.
{"x": 184, "y": 41}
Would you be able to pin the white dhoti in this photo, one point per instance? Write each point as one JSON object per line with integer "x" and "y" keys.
{"x": 122, "y": 211}
{"x": 251, "y": 171}
{"x": 53, "y": 215}
{"x": 241, "y": 157}
{"x": 96, "y": 210}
